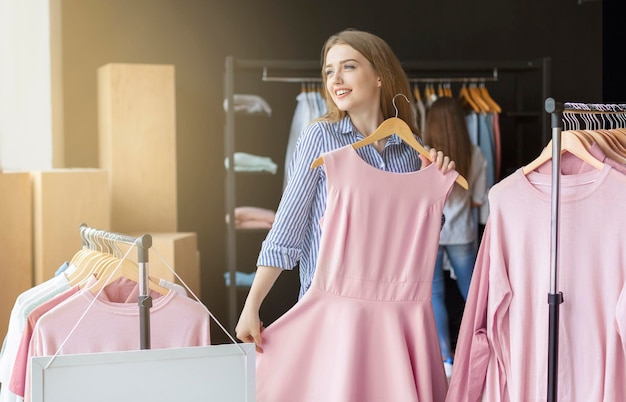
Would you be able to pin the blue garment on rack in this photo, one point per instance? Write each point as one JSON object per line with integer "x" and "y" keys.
{"x": 309, "y": 107}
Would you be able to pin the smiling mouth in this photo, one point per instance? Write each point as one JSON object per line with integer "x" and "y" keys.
{"x": 342, "y": 92}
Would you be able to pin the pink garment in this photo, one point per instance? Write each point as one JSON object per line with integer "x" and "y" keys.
{"x": 112, "y": 323}
{"x": 596, "y": 151}
{"x": 570, "y": 165}
{"x": 247, "y": 217}
{"x": 365, "y": 330}
{"x": 497, "y": 144}
{"x": 18, "y": 374}
{"x": 502, "y": 348}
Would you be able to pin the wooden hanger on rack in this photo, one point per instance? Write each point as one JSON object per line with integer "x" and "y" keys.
{"x": 416, "y": 93}
{"x": 466, "y": 100}
{"x": 393, "y": 125}
{"x": 440, "y": 91}
{"x": 616, "y": 139}
{"x": 477, "y": 97}
{"x": 592, "y": 131}
{"x": 123, "y": 269}
{"x": 448, "y": 90}
{"x": 609, "y": 147}
{"x": 570, "y": 143}
{"x": 493, "y": 105}
{"x": 87, "y": 260}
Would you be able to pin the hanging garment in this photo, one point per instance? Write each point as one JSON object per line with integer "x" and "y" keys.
{"x": 502, "y": 349}
{"x": 497, "y": 143}
{"x": 486, "y": 144}
{"x": 84, "y": 323}
{"x": 365, "y": 329}
{"x": 26, "y": 302}
{"x": 309, "y": 107}
{"x": 111, "y": 322}
{"x": 596, "y": 151}
{"x": 18, "y": 374}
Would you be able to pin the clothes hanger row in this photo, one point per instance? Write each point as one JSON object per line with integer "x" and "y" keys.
{"x": 394, "y": 125}
{"x": 475, "y": 97}
{"x": 473, "y": 94}
{"x": 307, "y": 86}
{"x": 591, "y": 127}
{"x": 584, "y": 129}
{"x": 571, "y": 143}
{"x": 101, "y": 262}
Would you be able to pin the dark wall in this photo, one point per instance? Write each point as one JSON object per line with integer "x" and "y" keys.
{"x": 613, "y": 39}
{"x": 197, "y": 35}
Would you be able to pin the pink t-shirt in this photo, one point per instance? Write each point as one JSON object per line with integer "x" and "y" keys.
{"x": 112, "y": 323}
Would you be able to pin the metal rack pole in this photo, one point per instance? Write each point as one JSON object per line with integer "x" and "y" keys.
{"x": 229, "y": 195}
{"x": 555, "y": 298}
{"x": 143, "y": 243}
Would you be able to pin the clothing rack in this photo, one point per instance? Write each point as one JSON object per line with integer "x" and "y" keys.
{"x": 143, "y": 243}
{"x": 555, "y": 297}
{"x": 304, "y": 71}
{"x": 494, "y": 77}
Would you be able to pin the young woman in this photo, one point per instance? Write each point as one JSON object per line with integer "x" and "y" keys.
{"x": 446, "y": 130}
{"x": 362, "y": 76}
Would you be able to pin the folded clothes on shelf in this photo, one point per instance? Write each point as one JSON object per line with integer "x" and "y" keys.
{"x": 248, "y": 217}
{"x": 250, "y": 104}
{"x": 245, "y": 162}
{"x": 242, "y": 279}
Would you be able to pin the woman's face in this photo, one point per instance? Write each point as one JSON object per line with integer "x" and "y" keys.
{"x": 351, "y": 81}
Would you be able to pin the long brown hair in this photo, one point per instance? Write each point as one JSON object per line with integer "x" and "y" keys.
{"x": 446, "y": 130}
{"x": 386, "y": 65}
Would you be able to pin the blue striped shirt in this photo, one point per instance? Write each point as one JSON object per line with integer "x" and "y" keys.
{"x": 295, "y": 233}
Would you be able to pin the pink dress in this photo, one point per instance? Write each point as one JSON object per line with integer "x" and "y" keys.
{"x": 365, "y": 330}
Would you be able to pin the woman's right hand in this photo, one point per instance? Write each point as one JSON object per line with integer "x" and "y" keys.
{"x": 249, "y": 328}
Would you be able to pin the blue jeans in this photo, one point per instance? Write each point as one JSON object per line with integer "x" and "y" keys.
{"x": 462, "y": 258}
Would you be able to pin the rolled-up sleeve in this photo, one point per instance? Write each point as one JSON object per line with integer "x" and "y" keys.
{"x": 282, "y": 248}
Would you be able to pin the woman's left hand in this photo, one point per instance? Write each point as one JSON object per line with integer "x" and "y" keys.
{"x": 441, "y": 161}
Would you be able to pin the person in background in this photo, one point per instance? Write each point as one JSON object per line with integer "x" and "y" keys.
{"x": 446, "y": 130}
{"x": 361, "y": 76}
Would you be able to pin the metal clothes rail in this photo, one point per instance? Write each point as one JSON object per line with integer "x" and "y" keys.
{"x": 555, "y": 297}
{"x": 143, "y": 243}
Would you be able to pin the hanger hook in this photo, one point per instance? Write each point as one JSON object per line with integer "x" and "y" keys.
{"x": 394, "y": 102}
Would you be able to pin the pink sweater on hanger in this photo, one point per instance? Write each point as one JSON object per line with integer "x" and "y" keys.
{"x": 502, "y": 349}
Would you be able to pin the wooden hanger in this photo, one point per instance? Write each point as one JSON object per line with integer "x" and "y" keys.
{"x": 493, "y": 105}
{"x": 416, "y": 93}
{"x": 127, "y": 269}
{"x": 448, "y": 90}
{"x": 570, "y": 143}
{"x": 610, "y": 148}
{"x": 393, "y": 125}
{"x": 440, "y": 91}
{"x": 89, "y": 267}
{"x": 616, "y": 140}
{"x": 466, "y": 99}
{"x": 619, "y": 134}
{"x": 477, "y": 97}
